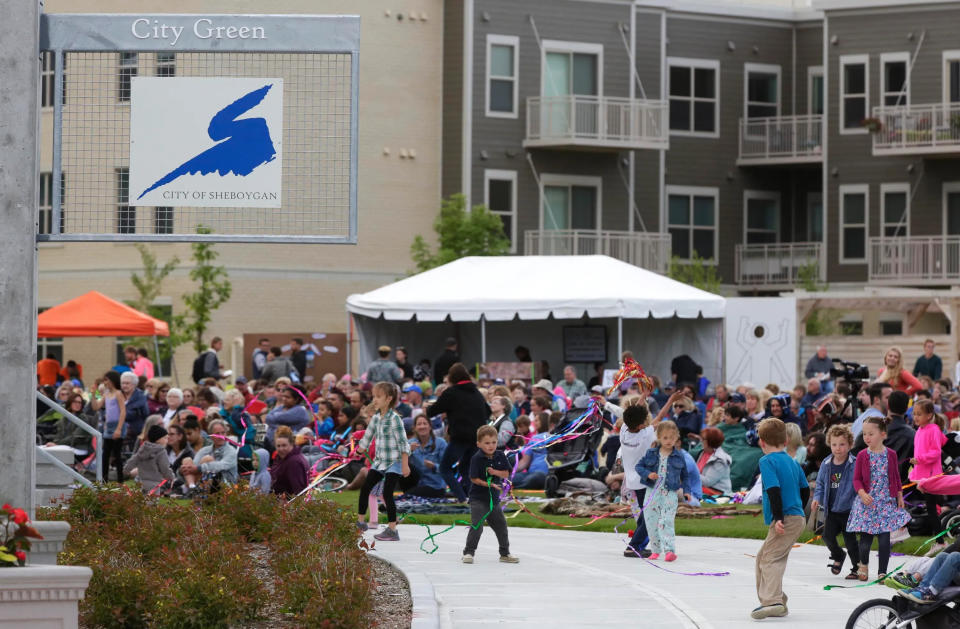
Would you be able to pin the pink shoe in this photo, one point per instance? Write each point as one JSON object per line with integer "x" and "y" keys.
{"x": 654, "y": 556}
{"x": 671, "y": 556}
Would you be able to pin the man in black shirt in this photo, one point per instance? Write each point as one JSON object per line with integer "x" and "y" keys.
{"x": 486, "y": 466}
{"x": 685, "y": 371}
{"x": 298, "y": 357}
{"x": 446, "y": 360}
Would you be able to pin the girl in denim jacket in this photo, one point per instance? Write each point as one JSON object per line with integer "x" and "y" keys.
{"x": 663, "y": 463}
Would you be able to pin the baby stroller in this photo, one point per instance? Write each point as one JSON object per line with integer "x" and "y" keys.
{"x": 575, "y": 458}
{"x": 899, "y": 612}
{"x": 950, "y": 514}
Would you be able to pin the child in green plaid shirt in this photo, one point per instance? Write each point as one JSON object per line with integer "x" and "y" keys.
{"x": 390, "y": 459}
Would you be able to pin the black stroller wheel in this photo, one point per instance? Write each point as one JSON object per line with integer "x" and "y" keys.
{"x": 550, "y": 486}
{"x": 951, "y": 519}
{"x": 879, "y": 613}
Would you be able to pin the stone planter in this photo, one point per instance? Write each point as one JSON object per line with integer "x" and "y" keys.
{"x": 41, "y": 596}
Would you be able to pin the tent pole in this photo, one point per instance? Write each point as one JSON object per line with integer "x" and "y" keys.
{"x": 483, "y": 339}
{"x": 619, "y": 338}
{"x": 156, "y": 349}
{"x": 350, "y": 344}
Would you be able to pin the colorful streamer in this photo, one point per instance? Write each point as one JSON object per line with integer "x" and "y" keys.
{"x": 631, "y": 369}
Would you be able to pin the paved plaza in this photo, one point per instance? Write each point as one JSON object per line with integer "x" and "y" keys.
{"x": 580, "y": 579}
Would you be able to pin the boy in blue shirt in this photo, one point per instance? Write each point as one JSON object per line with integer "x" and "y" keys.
{"x": 785, "y": 492}
{"x": 487, "y": 463}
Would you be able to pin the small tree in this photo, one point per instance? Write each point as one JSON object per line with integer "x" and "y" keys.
{"x": 478, "y": 232}
{"x": 808, "y": 276}
{"x": 149, "y": 286}
{"x": 213, "y": 291}
{"x": 824, "y": 322}
{"x": 696, "y": 273}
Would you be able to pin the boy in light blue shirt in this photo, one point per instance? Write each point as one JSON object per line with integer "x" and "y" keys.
{"x": 785, "y": 492}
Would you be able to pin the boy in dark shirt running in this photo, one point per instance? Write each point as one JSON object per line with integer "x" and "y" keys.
{"x": 485, "y": 495}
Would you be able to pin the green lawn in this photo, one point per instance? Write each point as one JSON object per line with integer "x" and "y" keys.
{"x": 744, "y": 525}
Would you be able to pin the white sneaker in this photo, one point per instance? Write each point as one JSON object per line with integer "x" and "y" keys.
{"x": 508, "y": 559}
{"x": 899, "y": 535}
{"x": 467, "y": 559}
{"x": 936, "y": 548}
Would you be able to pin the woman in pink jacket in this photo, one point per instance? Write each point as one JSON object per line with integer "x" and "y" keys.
{"x": 927, "y": 445}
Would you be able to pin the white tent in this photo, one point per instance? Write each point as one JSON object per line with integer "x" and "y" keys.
{"x": 491, "y": 304}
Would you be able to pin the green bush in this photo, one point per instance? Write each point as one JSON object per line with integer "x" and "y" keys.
{"x": 178, "y": 565}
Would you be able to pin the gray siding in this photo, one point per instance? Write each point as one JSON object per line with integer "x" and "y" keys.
{"x": 647, "y": 163}
{"x": 809, "y": 54}
{"x": 452, "y": 138}
{"x": 711, "y": 162}
{"x": 497, "y": 142}
{"x": 851, "y": 155}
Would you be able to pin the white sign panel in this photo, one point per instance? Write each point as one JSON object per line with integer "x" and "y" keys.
{"x": 206, "y": 142}
{"x": 760, "y": 335}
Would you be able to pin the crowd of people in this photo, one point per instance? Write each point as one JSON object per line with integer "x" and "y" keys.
{"x": 426, "y": 431}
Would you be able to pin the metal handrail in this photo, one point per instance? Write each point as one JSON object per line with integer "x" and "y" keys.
{"x": 781, "y": 137}
{"x": 931, "y": 126}
{"x": 98, "y": 446}
{"x": 60, "y": 465}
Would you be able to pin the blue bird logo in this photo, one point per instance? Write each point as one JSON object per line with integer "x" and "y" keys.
{"x": 245, "y": 144}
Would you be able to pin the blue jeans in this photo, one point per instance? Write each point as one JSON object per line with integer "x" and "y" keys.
{"x": 459, "y": 453}
{"x": 529, "y": 480}
{"x": 944, "y": 569}
{"x": 640, "y": 539}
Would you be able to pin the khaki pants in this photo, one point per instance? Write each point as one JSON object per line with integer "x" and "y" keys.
{"x": 772, "y": 560}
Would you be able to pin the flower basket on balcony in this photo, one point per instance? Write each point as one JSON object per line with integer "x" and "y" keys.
{"x": 873, "y": 125}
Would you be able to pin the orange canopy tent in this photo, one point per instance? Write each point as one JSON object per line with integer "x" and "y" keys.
{"x": 95, "y": 314}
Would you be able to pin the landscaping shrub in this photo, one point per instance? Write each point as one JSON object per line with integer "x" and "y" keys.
{"x": 180, "y": 565}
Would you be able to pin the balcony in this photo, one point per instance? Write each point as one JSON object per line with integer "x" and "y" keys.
{"x": 914, "y": 260}
{"x": 783, "y": 140}
{"x": 650, "y": 251}
{"x": 779, "y": 265}
{"x": 917, "y": 130}
{"x": 596, "y": 123}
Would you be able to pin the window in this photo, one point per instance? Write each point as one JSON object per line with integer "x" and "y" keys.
{"x": 571, "y": 68}
{"x": 951, "y": 208}
{"x": 891, "y": 328}
{"x": 501, "y": 199}
{"x": 692, "y": 221}
{"x": 166, "y": 64}
{"x": 502, "y": 64}
{"x": 46, "y": 78}
{"x": 45, "y": 205}
{"x": 854, "y": 92}
{"x": 163, "y": 220}
{"x": 694, "y": 88}
{"x": 570, "y": 202}
{"x": 762, "y": 217}
{"x": 854, "y": 206}
{"x": 851, "y": 328}
{"x": 126, "y": 215}
{"x": 895, "y": 79}
{"x": 761, "y": 90}
{"x": 127, "y": 70}
{"x": 815, "y": 90}
{"x": 951, "y": 76}
{"x": 894, "y": 210}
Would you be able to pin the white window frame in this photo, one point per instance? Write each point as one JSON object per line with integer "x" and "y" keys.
{"x": 710, "y": 64}
{"x": 45, "y": 203}
{"x": 812, "y": 73}
{"x": 554, "y": 179}
{"x": 813, "y": 198}
{"x": 158, "y": 64}
{"x": 504, "y": 40}
{"x": 947, "y": 188}
{"x": 504, "y": 175}
{"x": 770, "y": 195}
{"x": 122, "y": 66}
{"x": 894, "y": 57}
{"x": 903, "y": 188}
{"x": 699, "y": 191}
{"x": 764, "y": 68}
{"x": 843, "y": 191}
{"x": 556, "y": 45}
{"x": 948, "y": 55}
{"x": 850, "y": 60}
{"x": 47, "y": 75}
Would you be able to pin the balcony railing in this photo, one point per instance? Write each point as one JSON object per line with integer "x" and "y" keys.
{"x": 596, "y": 122}
{"x": 782, "y": 140}
{"x": 914, "y": 260}
{"x": 650, "y": 251}
{"x": 779, "y": 264}
{"x": 917, "y": 129}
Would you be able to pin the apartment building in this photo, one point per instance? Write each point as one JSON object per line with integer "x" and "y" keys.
{"x": 776, "y": 143}
{"x": 280, "y": 290}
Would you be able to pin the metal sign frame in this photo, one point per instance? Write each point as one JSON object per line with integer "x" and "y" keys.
{"x": 61, "y": 33}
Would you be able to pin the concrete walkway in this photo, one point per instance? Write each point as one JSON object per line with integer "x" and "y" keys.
{"x": 580, "y": 579}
